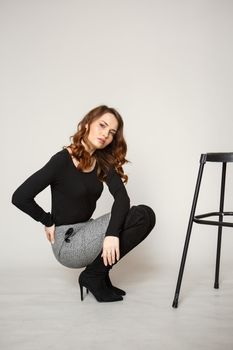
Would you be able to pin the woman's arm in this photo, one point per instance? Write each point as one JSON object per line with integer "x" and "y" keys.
{"x": 121, "y": 203}
{"x": 23, "y": 197}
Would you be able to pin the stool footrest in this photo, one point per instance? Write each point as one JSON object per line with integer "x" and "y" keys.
{"x": 199, "y": 219}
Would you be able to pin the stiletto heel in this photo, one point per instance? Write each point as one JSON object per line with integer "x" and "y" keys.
{"x": 81, "y": 291}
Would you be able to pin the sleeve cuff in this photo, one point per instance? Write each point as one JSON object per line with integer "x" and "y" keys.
{"x": 47, "y": 220}
{"x": 112, "y": 234}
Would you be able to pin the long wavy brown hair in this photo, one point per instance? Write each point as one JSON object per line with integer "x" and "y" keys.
{"x": 113, "y": 155}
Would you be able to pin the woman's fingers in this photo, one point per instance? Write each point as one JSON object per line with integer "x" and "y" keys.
{"x": 110, "y": 256}
{"x": 118, "y": 254}
{"x": 105, "y": 258}
{"x": 110, "y": 250}
{"x": 50, "y": 232}
{"x": 52, "y": 237}
{"x": 114, "y": 255}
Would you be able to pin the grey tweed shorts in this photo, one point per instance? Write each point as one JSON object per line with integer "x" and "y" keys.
{"x": 77, "y": 245}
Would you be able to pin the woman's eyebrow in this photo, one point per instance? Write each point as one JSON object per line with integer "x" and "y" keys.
{"x": 108, "y": 125}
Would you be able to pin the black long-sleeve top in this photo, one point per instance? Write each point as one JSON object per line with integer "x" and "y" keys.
{"x": 74, "y": 194}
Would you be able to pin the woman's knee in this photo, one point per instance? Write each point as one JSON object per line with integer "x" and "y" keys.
{"x": 148, "y": 214}
{"x": 141, "y": 215}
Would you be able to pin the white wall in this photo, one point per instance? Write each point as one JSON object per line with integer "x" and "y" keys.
{"x": 165, "y": 65}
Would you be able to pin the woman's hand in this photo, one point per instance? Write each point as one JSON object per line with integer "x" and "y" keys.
{"x": 50, "y": 233}
{"x": 111, "y": 250}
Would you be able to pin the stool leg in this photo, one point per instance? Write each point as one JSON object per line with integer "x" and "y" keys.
{"x": 188, "y": 234}
{"x": 221, "y": 208}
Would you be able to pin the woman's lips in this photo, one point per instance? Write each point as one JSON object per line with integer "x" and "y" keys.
{"x": 101, "y": 140}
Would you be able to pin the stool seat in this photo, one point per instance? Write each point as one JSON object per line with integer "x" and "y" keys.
{"x": 218, "y": 157}
{"x": 223, "y": 158}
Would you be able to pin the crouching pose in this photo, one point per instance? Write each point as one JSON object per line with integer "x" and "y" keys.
{"x": 76, "y": 175}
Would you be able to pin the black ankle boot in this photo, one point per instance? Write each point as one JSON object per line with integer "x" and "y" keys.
{"x": 116, "y": 290}
{"x": 94, "y": 281}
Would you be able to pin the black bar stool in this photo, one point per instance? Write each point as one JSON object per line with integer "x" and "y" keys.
{"x": 223, "y": 158}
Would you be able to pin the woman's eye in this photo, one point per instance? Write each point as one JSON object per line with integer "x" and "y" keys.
{"x": 104, "y": 126}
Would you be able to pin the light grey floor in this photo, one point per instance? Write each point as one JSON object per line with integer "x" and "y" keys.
{"x": 41, "y": 309}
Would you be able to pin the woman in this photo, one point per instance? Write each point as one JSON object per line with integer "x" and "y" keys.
{"x": 76, "y": 175}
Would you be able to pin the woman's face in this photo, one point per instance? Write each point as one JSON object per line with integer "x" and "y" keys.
{"x": 102, "y": 131}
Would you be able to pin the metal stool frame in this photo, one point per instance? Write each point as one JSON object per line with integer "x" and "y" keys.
{"x": 224, "y": 158}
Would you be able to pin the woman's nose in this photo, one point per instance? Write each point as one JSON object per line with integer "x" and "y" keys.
{"x": 105, "y": 134}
